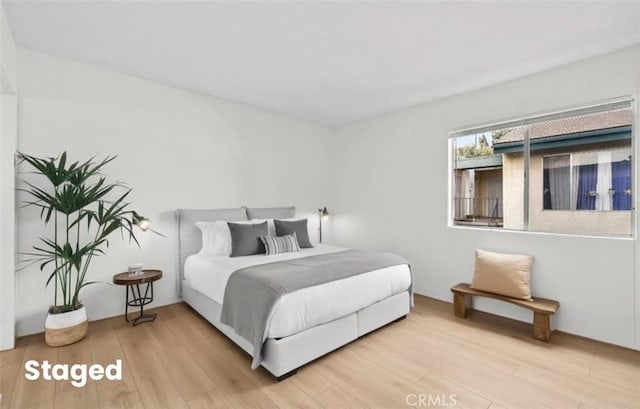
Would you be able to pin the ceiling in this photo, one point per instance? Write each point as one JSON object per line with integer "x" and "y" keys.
{"x": 328, "y": 62}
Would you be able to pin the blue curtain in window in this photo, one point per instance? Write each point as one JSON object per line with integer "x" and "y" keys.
{"x": 587, "y": 181}
{"x": 546, "y": 193}
{"x": 621, "y": 184}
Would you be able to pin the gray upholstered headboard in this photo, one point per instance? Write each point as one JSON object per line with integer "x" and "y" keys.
{"x": 190, "y": 238}
{"x": 271, "y": 212}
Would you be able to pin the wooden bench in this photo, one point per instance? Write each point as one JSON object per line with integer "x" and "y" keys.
{"x": 541, "y": 307}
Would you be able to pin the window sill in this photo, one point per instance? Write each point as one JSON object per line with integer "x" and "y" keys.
{"x": 538, "y": 233}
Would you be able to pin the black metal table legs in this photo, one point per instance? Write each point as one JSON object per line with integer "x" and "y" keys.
{"x": 139, "y": 300}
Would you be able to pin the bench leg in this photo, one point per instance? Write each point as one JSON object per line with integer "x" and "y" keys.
{"x": 541, "y": 326}
{"x": 459, "y": 305}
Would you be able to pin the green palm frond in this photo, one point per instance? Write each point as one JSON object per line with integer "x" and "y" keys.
{"x": 74, "y": 194}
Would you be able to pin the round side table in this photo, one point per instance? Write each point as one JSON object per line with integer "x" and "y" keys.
{"x": 138, "y": 297}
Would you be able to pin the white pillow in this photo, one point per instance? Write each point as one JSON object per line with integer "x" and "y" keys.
{"x": 216, "y": 237}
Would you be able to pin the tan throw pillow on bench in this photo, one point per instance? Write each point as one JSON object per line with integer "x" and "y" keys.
{"x": 505, "y": 274}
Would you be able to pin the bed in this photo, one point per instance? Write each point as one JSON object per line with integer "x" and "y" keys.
{"x": 299, "y": 331}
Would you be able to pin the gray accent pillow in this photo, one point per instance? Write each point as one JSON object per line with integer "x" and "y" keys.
{"x": 271, "y": 212}
{"x": 299, "y": 227}
{"x": 245, "y": 238}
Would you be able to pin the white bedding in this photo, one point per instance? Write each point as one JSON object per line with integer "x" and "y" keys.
{"x": 304, "y": 308}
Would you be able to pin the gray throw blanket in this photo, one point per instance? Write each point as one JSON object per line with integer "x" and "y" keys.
{"x": 252, "y": 292}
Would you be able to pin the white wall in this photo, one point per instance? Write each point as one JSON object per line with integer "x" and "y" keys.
{"x": 399, "y": 164}
{"x": 384, "y": 181}
{"x": 8, "y": 140}
{"x": 176, "y": 149}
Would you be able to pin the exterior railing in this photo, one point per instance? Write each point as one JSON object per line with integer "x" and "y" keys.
{"x": 472, "y": 208}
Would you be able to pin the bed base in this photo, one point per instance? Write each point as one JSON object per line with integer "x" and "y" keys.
{"x": 285, "y": 376}
{"x": 283, "y": 356}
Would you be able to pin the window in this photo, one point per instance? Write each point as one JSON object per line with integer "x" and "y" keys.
{"x": 599, "y": 180}
{"x": 478, "y": 170}
{"x": 567, "y": 172}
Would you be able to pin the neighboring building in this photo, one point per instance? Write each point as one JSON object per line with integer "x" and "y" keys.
{"x": 579, "y": 182}
{"x": 479, "y": 184}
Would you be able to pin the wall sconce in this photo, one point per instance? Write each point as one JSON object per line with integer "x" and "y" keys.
{"x": 323, "y": 214}
{"x": 141, "y": 221}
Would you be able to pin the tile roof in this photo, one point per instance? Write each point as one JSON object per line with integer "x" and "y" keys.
{"x": 567, "y": 126}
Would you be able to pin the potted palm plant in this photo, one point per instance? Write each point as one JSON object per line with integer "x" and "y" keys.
{"x": 84, "y": 210}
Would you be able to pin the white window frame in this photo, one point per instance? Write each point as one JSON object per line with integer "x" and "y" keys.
{"x": 627, "y": 101}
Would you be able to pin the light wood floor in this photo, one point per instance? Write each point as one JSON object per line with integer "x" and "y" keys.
{"x": 180, "y": 361}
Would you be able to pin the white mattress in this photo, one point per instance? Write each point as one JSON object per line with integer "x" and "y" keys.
{"x": 307, "y": 307}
